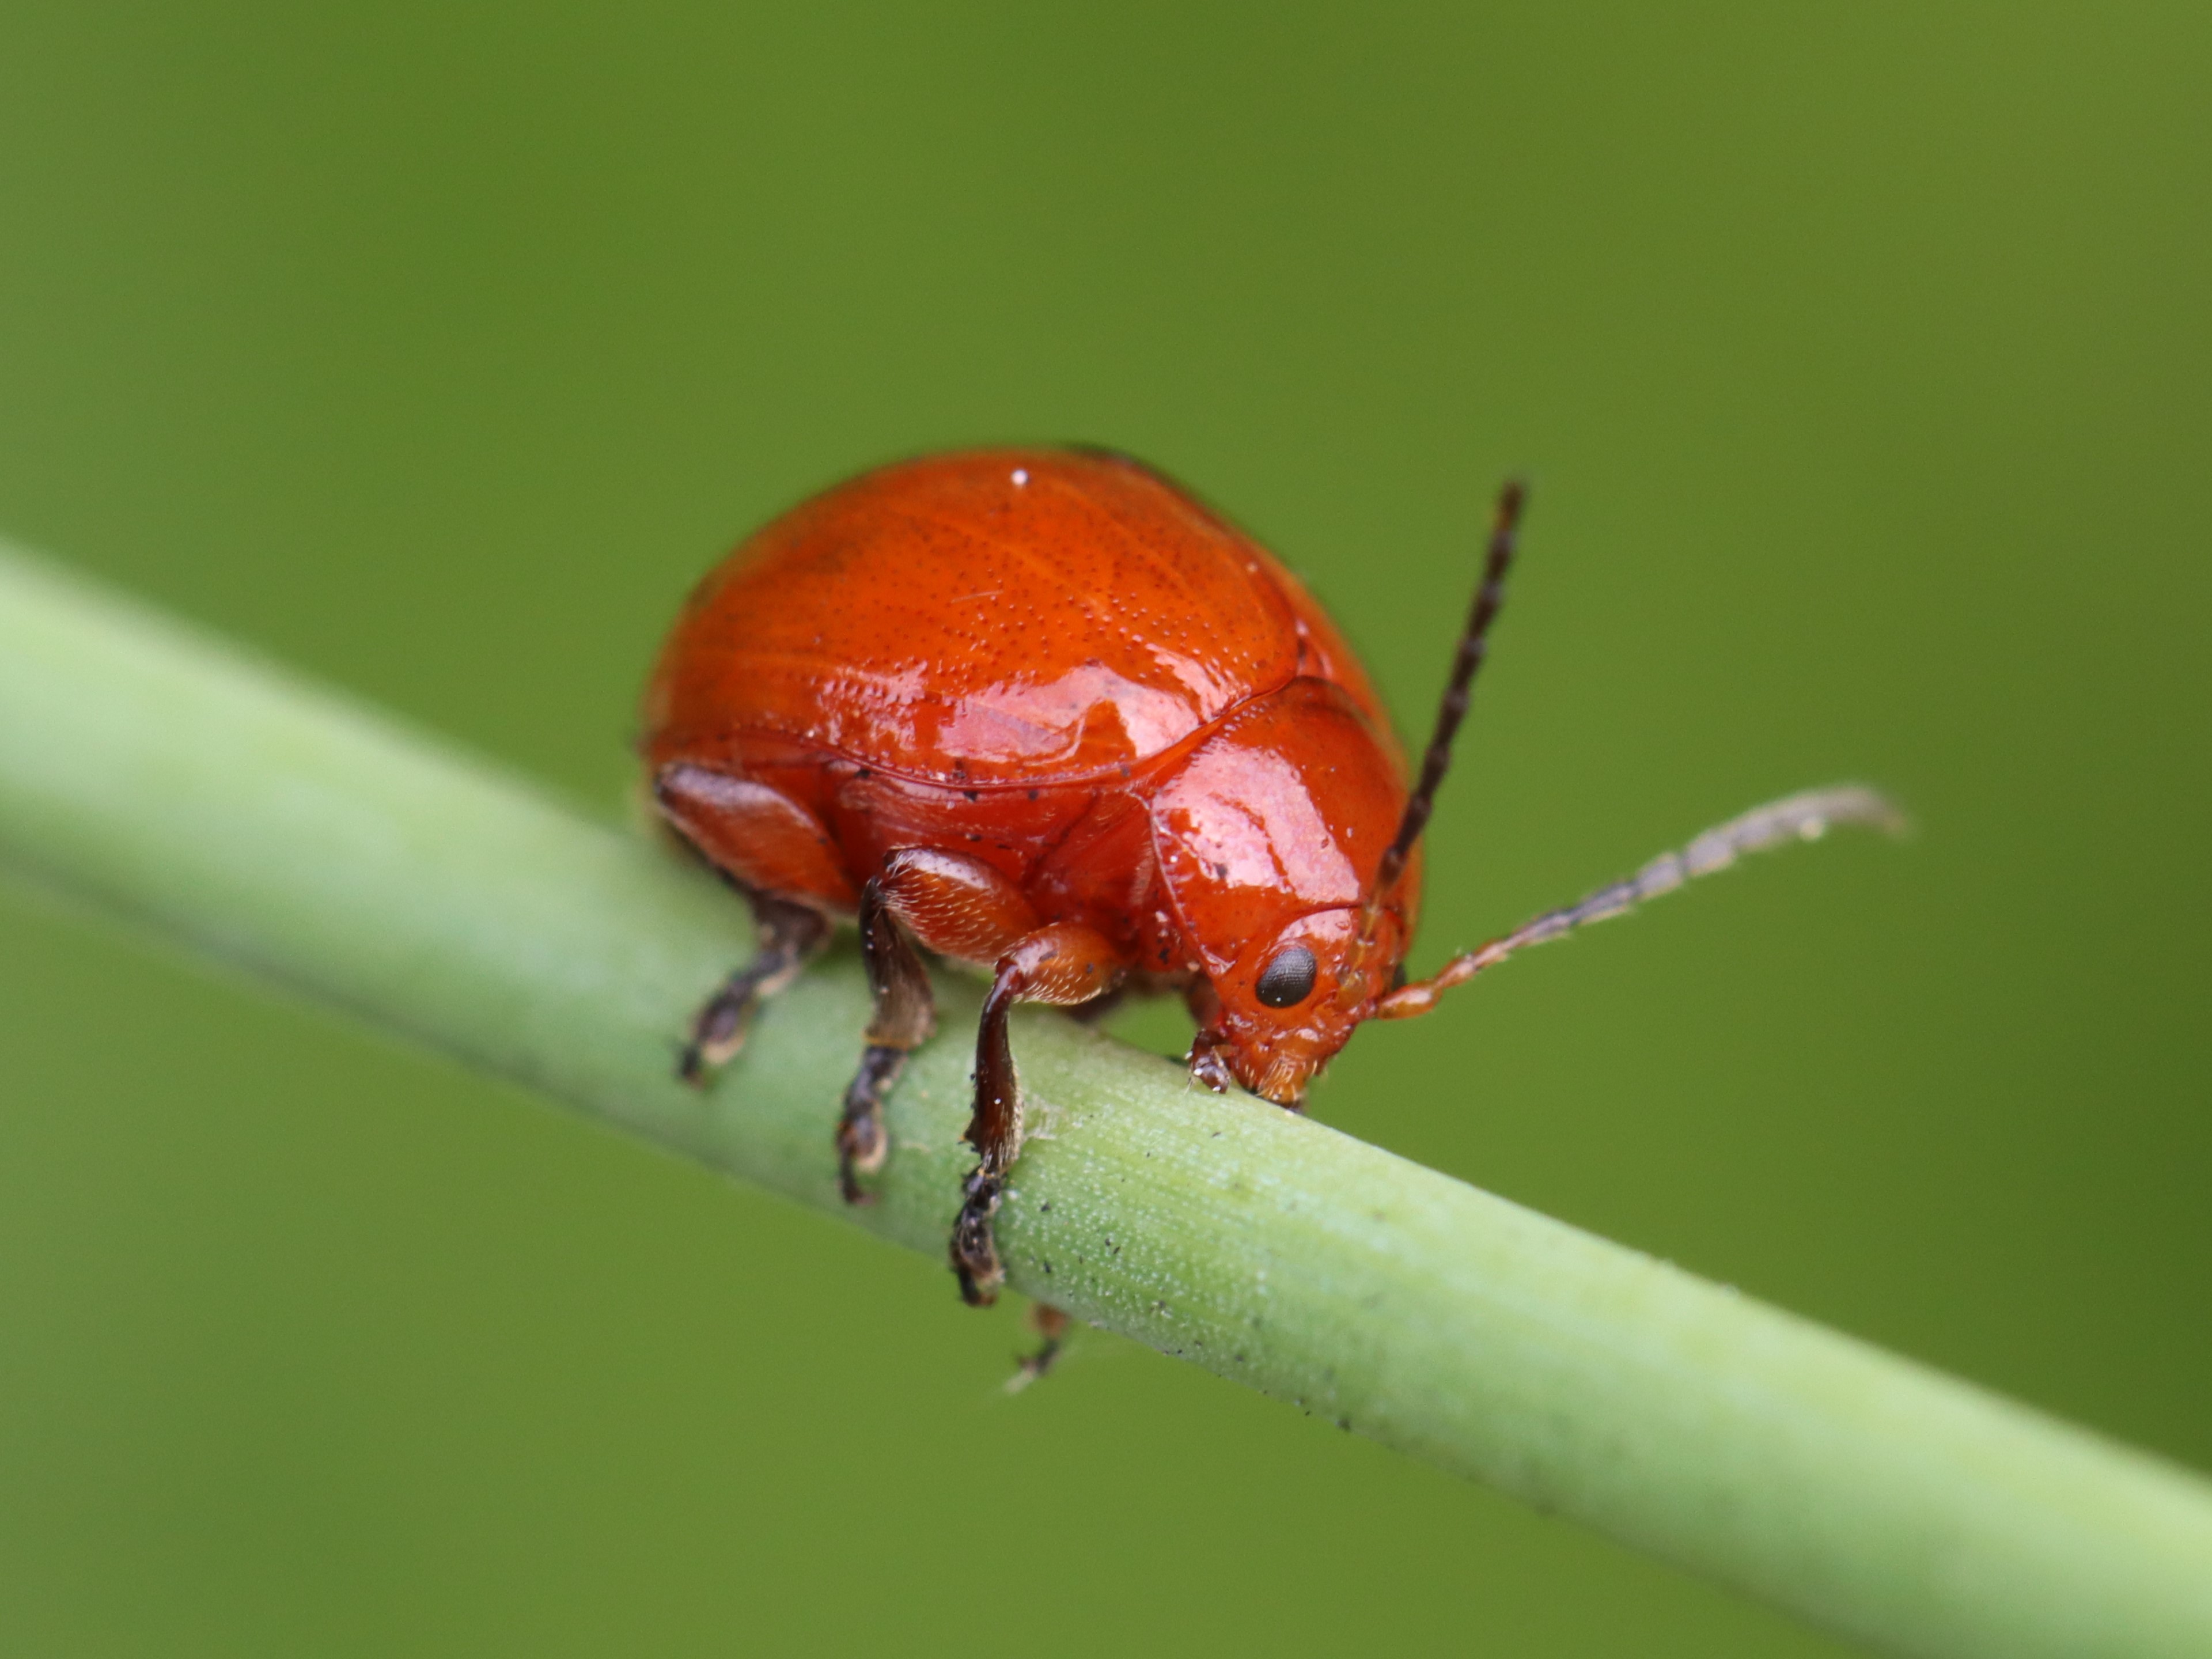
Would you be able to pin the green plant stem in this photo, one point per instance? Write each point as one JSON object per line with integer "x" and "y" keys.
{"x": 271, "y": 823}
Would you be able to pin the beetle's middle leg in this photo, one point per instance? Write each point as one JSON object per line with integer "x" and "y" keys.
{"x": 964, "y": 907}
{"x": 905, "y": 1015}
{"x": 957, "y": 906}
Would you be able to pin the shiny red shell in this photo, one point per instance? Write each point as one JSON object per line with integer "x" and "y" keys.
{"x": 1060, "y": 664}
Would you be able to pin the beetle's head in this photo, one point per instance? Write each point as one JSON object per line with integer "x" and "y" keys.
{"x": 1292, "y": 846}
{"x": 1279, "y": 1014}
{"x": 1270, "y": 837}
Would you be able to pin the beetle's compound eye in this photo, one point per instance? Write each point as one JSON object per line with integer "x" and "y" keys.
{"x": 1288, "y": 978}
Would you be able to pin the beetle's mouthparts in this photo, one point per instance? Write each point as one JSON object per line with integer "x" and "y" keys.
{"x": 1284, "y": 1081}
{"x": 1217, "y": 1060}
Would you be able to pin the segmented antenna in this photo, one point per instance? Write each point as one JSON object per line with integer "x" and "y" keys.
{"x": 1806, "y": 817}
{"x": 1489, "y": 598}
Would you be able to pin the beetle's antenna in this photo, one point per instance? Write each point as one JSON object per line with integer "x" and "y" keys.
{"x": 1799, "y": 817}
{"x": 1489, "y": 598}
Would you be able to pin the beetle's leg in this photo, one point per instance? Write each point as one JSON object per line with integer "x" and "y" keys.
{"x": 958, "y": 907}
{"x": 1065, "y": 963}
{"x": 789, "y": 934}
{"x": 1206, "y": 1060}
{"x": 964, "y": 907}
{"x": 905, "y": 1015}
{"x": 1799, "y": 817}
{"x": 754, "y": 833}
{"x": 1051, "y": 1323}
{"x": 779, "y": 856}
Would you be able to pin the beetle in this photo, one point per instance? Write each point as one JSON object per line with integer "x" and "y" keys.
{"x": 1041, "y": 711}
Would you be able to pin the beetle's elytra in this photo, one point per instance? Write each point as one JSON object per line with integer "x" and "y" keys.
{"x": 1039, "y": 710}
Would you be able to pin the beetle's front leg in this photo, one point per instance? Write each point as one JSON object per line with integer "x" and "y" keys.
{"x": 1065, "y": 963}
{"x": 1208, "y": 1063}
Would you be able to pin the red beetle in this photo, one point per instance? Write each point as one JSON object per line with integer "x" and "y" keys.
{"x": 1039, "y": 710}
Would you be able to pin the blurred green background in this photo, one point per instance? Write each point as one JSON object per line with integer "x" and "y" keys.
{"x": 1863, "y": 359}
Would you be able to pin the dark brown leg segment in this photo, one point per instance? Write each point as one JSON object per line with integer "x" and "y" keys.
{"x": 1064, "y": 963}
{"x": 1051, "y": 1328}
{"x": 1050, "y": 1324}
{"x": 994, "y": 1131}
{"x": 906, "y": 1013}
{"x": 789, "y": 934}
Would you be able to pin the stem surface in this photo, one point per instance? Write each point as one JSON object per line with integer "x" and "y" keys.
{"x": 273, "y": 824}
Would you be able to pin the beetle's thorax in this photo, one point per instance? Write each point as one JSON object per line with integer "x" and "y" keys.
{"x": 1267, "y": 839}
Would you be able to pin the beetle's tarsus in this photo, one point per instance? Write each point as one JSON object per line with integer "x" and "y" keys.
{"x": 789, "y": 934}
{"x": 719, "y": 1031}
{"x": 975, "y": 1252}
{"x": 861, "y": 1142}
{"x": 1051, "y": 1324}
{"x": 1207, "y": 1065}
